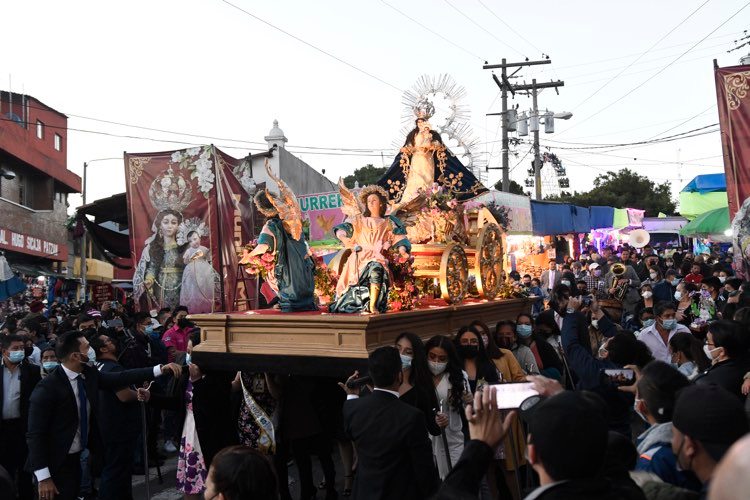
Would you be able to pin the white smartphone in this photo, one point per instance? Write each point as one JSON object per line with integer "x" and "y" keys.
{"x": 510, "y": 396}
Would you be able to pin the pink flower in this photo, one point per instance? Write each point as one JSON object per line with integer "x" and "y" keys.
{"x": 267, "y": 257}
{"x": 396, "y": 305}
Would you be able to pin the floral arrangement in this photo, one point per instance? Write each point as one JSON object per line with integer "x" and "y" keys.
{"x": 440, "y": 210}
{"x": 404, "y": 293}
{"x": 325, "y": 280}
{"x": 200, "y": 168}
{"x": 703, "y": 309}
{"x": 257, "y": 264}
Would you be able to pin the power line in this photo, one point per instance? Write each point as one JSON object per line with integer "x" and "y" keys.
{"x": 599, "y": 145}
{"x": 510, "y": 27}
{"x": 684, "y": 122}
{"x": 472, "y": 21}
{"x": 671, "y": 138}
{"x": 415, "y": 21}
{"x": 641, "y": 55}
{"x": 315, "y": 47}
{"x": 664, "y": 68}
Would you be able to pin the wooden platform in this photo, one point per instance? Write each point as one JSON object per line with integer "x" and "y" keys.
{"x": 319, "y": 343}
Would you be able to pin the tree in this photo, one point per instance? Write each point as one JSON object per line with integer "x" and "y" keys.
{"x": 369, "y": 174}
{"x": 622, "y": 189}
{"x": 513, "y": 187}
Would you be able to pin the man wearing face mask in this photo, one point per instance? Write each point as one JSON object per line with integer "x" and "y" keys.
{"x": 664, "y": 289}
{"x": 394, "y": 453}
{"x": 176, "y": 338}
{"x": 594, "y": 281}
{"x": 656, "y": 337}
{"x": 707, "y": 420}
{"x": 19, "y": 377}
{"x": 725, "y": 347}
{"x": 63, "y": 409}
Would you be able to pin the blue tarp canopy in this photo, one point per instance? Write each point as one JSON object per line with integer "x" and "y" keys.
{"x": 601, "y": 217}
{"x": 580, "y": 217}
{"x": 549, "y": 218}
{"x": 706, "y": 184}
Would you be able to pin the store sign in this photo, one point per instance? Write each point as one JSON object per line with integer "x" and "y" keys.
{"x": 19, "y": 242}
{"x": 323, "y": 210}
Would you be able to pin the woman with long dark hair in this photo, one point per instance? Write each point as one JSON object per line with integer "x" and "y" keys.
{"x": 687, "y": 354}
{"x": 452, "y": 392}
{"x": 417, "y": 388}
{"x": 476, "y": 363}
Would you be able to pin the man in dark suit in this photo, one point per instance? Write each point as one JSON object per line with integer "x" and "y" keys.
{"x": 63, "y": 411}
{"x": 394, "y": 452}
{"x": 19, "y": 377}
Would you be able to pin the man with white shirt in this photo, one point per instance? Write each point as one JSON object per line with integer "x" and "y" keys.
{"x": 63, "y": 411}
{"x": 394, "y": 454}
{"x": 551, "y": 277}
{"x": 657, "y": 336}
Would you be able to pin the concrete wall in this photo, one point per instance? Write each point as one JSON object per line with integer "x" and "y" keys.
{"x": 301, "y": 177}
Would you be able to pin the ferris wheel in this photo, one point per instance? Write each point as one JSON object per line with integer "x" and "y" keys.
{"x": 553, "y": 175}
{"x": 440, "y": 99}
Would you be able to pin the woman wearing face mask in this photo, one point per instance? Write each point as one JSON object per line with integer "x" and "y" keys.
{"x": 687, "y": 355}
{"x": 49, "y": 361}
{"x": 452, "y": 391}
{"x": 647, "y": 298}
{"x": 417, "y": 388}
{"x": 725, "y": 348}
{"x": 476, "y": 363}
{"x": 521, "y": 347}
{"x": 684, "y": 295}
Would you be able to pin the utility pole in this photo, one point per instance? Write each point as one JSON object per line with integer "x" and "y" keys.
{"x": 537, "y": 159}
{"x": 84, "y": 239}
{"x": 506, "y": 86}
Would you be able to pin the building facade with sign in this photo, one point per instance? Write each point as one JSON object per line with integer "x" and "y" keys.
{"x": 34, "y": 184}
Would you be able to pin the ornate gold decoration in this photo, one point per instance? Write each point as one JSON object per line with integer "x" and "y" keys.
{"x": 136, "y": 164}
{"x": 170, "y": 191}
{"x": 454, "y": 274}
{"x": 737, "y": 86}
{"x": 489, "y": 261}
{"x": 286, "y": 204}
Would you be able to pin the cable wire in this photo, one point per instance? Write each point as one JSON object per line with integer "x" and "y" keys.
{"x": 472, "y": 21}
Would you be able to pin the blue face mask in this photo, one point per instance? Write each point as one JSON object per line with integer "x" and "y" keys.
{"x": 669, "y": 324}
{"x": 50, "y": 365}
{"x": 149, "y": 330}
{"x": 405, "y": 362}
{"x": 16, "y": 356}
{"x": 648, "y": 322}
{"x": 523, "y": 331}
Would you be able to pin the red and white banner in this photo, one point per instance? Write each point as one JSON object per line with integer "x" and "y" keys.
{"x": 733, "y": 96}
{"x": 189, "y": 217}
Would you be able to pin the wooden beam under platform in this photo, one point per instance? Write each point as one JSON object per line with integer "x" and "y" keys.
{"x": 318, "y": 343}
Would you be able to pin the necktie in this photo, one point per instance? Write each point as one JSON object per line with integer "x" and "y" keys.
{"x": 84, "y": 420}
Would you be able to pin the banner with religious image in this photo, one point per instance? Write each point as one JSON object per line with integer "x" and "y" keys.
{"x": 732, "y": 84}
{"x": 188, "y": 217}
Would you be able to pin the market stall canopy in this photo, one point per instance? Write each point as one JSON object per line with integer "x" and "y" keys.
{"x": 601, "y": 217}
{"x": 703, "y": 194}
{"x": 714, "y": 224}
{"x": 550, "y": 218}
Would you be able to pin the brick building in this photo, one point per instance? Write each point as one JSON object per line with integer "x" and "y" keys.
{"x": 34, "y": 184}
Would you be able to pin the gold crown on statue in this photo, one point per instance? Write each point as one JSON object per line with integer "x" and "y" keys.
{"x": 170, "y": 191}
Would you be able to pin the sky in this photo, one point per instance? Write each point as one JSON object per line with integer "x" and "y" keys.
{"x": 333, "y": 73}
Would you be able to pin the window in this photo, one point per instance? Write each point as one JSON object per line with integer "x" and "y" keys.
{"x": 39, "y": 130}
{"x": 58, "y": 142}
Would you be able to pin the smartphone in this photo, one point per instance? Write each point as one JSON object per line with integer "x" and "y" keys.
{"x": 511, "y": 395}
{"x": 620, "y": 377}
{"x": 586, "y": 300}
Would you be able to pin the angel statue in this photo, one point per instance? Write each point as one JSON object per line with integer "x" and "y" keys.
{"x": 368, "y": 234}
{"x": 293, "y": 275}
{"x": 423, "y": 161}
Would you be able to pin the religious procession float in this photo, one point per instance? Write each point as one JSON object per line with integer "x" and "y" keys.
{"x": 413, "y": 253}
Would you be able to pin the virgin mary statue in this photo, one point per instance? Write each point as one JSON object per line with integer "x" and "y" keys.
{"x": 423, "y": 161}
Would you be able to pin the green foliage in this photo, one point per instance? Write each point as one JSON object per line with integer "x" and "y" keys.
{"x": 622, "y": 189}
{"x": 367, "y": 175}
{"x": 513, "y": 187}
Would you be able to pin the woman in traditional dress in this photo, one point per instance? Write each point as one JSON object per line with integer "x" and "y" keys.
{"x": 198, "y": 277}
{"x": 369, "y": 235}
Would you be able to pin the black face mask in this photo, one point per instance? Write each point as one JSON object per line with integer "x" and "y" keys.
{"x": 468, "y": 351}
{"x": 28, "y": 350}
{"x": 183, "y": 322}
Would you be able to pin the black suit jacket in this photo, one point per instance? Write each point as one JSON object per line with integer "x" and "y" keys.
{"x": 30, "y": 376}
{"x": 393, "y": 450}
{"x": 53, "y": 412}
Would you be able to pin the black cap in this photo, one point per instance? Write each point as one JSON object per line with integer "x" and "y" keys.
{"x": 711, "y": 415}
{"x": 565, "y": 422}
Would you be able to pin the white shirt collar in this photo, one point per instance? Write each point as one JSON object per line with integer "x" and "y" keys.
{"x": 70, "y": 373}
{"x": 395, "y": 393}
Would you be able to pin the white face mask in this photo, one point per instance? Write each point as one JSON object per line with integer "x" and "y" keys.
{"x": 678, "y": 295}
{"x": 722, "y": 279}
{"x": 635, "y": 408}
{"x": 647, "y": 295}
{"x": 595, "y": 323}
{"x": 437, "y": 368}
{"x": 709, "y": 352}
{"x": 654, "y": 275}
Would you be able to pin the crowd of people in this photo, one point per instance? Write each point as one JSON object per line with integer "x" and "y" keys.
{"x": 645, "y": 401}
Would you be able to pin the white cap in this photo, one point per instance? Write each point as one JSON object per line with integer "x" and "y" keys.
{"x": 593, "y": 265}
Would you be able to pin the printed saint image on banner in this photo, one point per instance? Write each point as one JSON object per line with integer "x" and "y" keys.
{"x": 179, "y": 203}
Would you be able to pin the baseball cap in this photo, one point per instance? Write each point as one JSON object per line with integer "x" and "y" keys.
{"x": 594, "y": 266}
{"x": 712, "y": 415}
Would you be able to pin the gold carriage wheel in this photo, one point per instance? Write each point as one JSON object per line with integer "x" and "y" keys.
{"x": 488, "y": 264}
{"x": 454, "y": 273}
